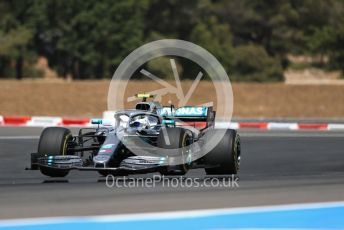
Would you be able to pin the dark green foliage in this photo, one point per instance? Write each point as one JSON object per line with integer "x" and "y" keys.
{"x": 252, "y": 63}
{"x": 88, "y": 39}
{"x": 216, "y": 38}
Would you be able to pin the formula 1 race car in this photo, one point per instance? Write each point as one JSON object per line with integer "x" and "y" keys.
{"x": 149, "y": 138}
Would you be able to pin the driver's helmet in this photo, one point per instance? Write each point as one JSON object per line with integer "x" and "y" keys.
{"x": 139, "y": 123}
{"x": 143, "y": 122}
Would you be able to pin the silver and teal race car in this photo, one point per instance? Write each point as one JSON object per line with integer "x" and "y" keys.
{"x": 149, "y": 138}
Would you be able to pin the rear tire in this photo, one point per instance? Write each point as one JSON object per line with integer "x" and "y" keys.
{"x": 225, "y": 157}
{"x": 53, "y": 142}
{"x": 179, "y": 138}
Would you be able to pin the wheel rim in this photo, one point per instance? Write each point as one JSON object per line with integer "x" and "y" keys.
{"x": 237, "y": 153}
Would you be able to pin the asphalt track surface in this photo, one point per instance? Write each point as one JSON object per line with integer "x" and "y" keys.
{"x": 279, "y": 167}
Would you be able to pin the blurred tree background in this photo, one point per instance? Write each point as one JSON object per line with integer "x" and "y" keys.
{"x": 88, "y": 39}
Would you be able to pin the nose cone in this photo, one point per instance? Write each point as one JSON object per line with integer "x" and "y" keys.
{"x": 101, "y": 159}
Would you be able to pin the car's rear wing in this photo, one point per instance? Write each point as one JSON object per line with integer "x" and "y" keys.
{"x": 199, "y": 117}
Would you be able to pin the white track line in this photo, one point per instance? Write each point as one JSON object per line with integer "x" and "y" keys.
{"x": 168, "y": 215}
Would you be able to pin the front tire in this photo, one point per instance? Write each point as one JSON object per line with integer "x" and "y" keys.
{"x": 53, "y": 142}
{"x": 179, "y": 139}
{"x": 52, "y": 172}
